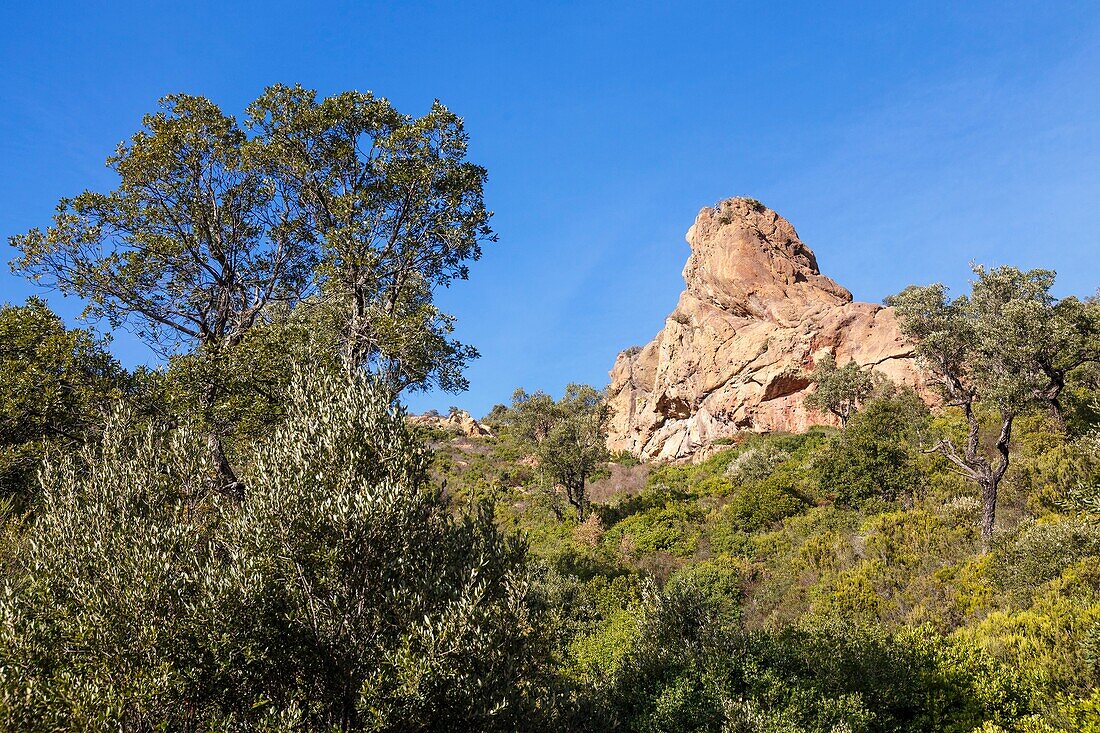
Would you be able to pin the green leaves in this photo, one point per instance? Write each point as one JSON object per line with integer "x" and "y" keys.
{"x": 343, "y": 593}
{"x": 840, "y": 390}
{"x": 1010, "y": 342}
{"x": 213, "y": 222}
{"x": 396, "y": 211}
{"x": 569, "y": 436}
{"x": 190, "y": 247}
{"x": 56, "y": 385}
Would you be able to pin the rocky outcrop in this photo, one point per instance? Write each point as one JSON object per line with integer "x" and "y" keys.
{"x": 459, "y": 421}
{"x": 736, "y": 352}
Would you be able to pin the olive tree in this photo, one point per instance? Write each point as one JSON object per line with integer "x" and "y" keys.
{"x": 839, "y": 390}
{"x": 343, "y": 594}
{"x": 569, "y": 437}
{"x": 1008, "y": 346}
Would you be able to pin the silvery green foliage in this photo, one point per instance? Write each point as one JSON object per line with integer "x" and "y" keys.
{"x": 341, "y": 594}
{"x": 755, "y": 464}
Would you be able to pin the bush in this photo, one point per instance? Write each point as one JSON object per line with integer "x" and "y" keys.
{"x": 1038, "y": 551}
{"x": 687, "y": 672}
{"x": 342, "y": 593}
{"x": 756, "y": 463}
{"x": 761, "y": 506}
{"x": 672, "y": 528}
{"x": 876, "y": 457}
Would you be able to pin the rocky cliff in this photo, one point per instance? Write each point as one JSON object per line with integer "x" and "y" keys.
{"x": 736, "y": 352}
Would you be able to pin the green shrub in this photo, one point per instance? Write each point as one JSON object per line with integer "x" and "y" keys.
{"x": 342, "y": 593}
{"x": 1038, "y": 551}
{"x": 876, "y": 457}
{"x": 762, "y": 505}
{"x": 673, "y": 528}
{"x": 687, "y": 672}
{"x": 756, "y": 463}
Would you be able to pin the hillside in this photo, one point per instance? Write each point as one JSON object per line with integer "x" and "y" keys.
{"x": 856, "y": 548}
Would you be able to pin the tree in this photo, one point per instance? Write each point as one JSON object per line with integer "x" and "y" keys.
{"x": 345, "y": 594}
{"x": 397, "y": 210}
{"x": 876, "y": 457}
{"x": 1008, "y": 346}
{"x": 840, "y": 390}
{"x": 1070, "y": 333}
{"x": 342, "y": 203}
{"x": 253, "y": 378}
{"x": 56, "y": 385}
{"x": 190, "y": 248}
{"x": 569, "y": 436}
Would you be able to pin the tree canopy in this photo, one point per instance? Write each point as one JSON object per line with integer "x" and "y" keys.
{"x": 569, "y": 436}
{"x": 840, "y": 390}
{"x": 342, "y": 595}
{"x": 1008, "y": 345}
{"x": 57, "y": 385}
{"x": 217, "y": 227}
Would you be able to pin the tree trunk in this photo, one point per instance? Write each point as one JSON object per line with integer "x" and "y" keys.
{"x": 991, "y": 479}
{"x": 1057, "y": 414}
{"x": 575, "y": 495}
{"x": 989, "y": 509}
{"x": 230, "y": 485}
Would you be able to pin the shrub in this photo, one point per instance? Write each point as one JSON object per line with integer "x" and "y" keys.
{"x": 762, "y": 505}
{"x": 673, "y": 528}
{"x": 687, "y": 672}
{"x": 876, "y": 457}
{"x": 342, "y": 593}
{"x": 1038, "y": 551}
{"x": 756, "y": 463}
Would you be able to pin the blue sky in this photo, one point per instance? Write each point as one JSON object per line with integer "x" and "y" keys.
{"x": 903, "y": 140}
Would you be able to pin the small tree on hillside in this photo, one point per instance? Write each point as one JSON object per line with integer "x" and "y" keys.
{"x": 995, "y": 347}
{"x": 569, "y": 437}
{"x": 840, "y": 390}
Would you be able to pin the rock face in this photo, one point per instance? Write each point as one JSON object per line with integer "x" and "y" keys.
{"x": 736, "y": 352}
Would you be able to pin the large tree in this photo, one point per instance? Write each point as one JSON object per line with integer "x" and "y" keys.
{"x": 190, "y": 248}
{"x": 1008, "y": 346}
{"x": 569, "y": 436}
{"x": 216, "y": 225}
{"x": 397, "y": 211}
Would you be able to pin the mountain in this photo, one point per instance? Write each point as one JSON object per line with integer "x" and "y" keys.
{"x": 736, "y": 353}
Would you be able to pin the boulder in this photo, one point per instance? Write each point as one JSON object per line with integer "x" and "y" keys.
{"x": 457, "y": 422}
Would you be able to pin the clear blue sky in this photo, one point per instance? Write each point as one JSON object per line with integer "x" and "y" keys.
{"x": 903, "y": 140}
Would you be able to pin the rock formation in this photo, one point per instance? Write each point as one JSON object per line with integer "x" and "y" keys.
{"x": 459, "y": 421}
{"x": 737, "y": 351}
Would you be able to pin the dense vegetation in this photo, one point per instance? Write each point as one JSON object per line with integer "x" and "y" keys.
{"x": 817, "y": 581}
{"x": 251, "y": 536}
